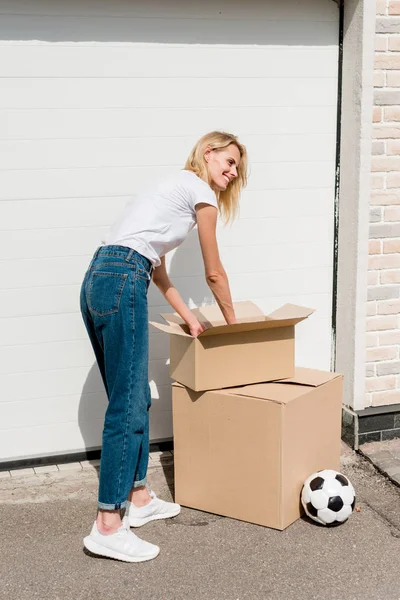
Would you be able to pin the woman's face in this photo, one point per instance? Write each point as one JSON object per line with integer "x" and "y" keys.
{"x": 222, "y": 166}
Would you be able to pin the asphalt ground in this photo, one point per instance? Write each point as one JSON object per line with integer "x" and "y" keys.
{"x": 203, "y": 556}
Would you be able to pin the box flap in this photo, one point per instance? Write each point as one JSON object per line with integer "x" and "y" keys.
{"x": 290, "y": 313}
{"x": 286, "y": 316}
{"x": 275, "y": 392}
{"x": 249, "y": 317}
{"x": 284, "y": 390}
{"x": 311, "y": 377}
{"x": 172, "y": 329}
{"x": 239, "y": 327}
{"x": 212, "y": 316}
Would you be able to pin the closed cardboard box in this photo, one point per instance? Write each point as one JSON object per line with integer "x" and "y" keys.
{"x": 258, "y": 348}
{"x": 246, "y": 452}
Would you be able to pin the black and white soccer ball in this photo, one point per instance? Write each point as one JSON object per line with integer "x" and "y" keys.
{"x": 328, "y": 497}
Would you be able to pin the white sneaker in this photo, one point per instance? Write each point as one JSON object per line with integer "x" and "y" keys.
{"x": 154, "y": 510}
{"x": 122, "y": 545}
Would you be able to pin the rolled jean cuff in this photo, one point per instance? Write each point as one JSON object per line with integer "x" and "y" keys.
{"x": 117, "y": 506}
{"x": 140, "y": 483}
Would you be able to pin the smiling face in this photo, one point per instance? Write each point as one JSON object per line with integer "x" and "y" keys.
{"x": 222, "y": 166}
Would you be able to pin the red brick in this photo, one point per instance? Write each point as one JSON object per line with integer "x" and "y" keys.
{"x": 379, "y": 79}
{"x": 380, "y": 323}
{"x": 393, "y": 180}
{"x": 380, "y": 164}
{"x": 381, "y": 8}
{"x": 374, "y": 247}
{"x": 389, "y": 307}
{"x": 377, "y": 114}
{"x": 391, "y": 246}
{"x": 376, "y": 384}
{"x": 382, "y": 353}
{"x": 377, "y": 182}
{"x": 384, "y": 261}
{"x": 381, "y": 43}
{"x": 392, "y": 113}
{"x": 386, "y": 61}
{"x": 385, "y": 398}
{"x": 387, "y": 338}
{"x": 390, "y": 276}
{"x": 384, "y": 131}
{"x": 373, "y": 277}
{"x": 392, "y": 213}
{"x": 394, "y": 7}
{"x": 393, "y": 147}
{"x": 394, "y": 43}
{"x": 393, "y": 78}
{"x": 384, "y": 198}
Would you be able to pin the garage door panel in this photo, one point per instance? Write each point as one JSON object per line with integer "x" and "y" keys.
{"x": 48, "y": 411}
{"x": 276, "y": 230}
{"x": 31, "y": 272}
{"x": 165, "y": 61}
{"x": 51, "y": 383}
{"x": 183, "y": 30}
{"x": 43, "y": 243}
{"x": 39, "y": 301}
{"x": 53, "y": 183}
{"x": 173, "y": 9}
{"x": 286, "y": 203}
{"x": 35, "y": 329}
{"x": 36, "y": 385}
{"x": 262, "y": 284}
{"x": 256, "y": 257}
{"x": 68, "y": 437}
{"x": 62, "y": 213}
{"x": 111, "y": 152}
{"x": 164, "y": 93}
{"x": 144, "y": 122}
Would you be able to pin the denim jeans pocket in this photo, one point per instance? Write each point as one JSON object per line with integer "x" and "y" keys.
{"x": 105, "y": 291}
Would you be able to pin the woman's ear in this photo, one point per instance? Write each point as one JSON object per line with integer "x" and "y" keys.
{"x": 207, "y": 153}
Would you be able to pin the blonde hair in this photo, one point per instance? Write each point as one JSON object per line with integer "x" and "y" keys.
{"x": 228, "y": 199}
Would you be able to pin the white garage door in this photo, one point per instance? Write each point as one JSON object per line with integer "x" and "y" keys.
{"x": 97, "y": 98}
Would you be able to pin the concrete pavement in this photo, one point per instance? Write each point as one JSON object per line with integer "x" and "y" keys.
{"x": 44, "y": 518}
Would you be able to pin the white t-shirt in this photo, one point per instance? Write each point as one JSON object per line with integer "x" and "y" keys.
{"x": 158, "y": 220}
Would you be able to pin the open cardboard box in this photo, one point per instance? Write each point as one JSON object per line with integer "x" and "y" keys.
{"x": 246, "y": 452}
{"x": 257, "y": 348}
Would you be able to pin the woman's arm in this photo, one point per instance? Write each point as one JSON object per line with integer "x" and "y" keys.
{"x": 164, "y": 284}
{"x": 216, "y": 276}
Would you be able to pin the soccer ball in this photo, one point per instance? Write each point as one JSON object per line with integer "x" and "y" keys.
{"x": 328, "y": 497}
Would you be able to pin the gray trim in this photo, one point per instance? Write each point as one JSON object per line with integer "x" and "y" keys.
{"x": 378, "y": 410}
{"x": 355, "y": 153}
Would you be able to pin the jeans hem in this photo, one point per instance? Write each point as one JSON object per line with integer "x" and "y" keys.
{"x": 116, "y": 506}
{"x": 140, "y": 483}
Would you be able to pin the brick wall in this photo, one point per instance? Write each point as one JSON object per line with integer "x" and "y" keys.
{"x": 383, "y": 321}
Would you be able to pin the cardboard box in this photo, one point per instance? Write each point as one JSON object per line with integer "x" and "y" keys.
{"x": 258, "y": 348}
{"x": 246, "y": 452}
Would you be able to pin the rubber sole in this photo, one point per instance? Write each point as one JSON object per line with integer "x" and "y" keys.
{"x": 140, "y": 522}
{"x": 100, "y": 550}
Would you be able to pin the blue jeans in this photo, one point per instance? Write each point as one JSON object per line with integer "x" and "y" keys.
{"x": 114, "y": 309}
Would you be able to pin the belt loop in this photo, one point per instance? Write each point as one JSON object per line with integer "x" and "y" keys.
{"x": 128, "y": 258}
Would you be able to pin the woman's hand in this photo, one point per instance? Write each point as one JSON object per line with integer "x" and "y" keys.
{"x": 196, "y": 328}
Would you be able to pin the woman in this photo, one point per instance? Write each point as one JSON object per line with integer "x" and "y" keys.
{"x": 114, "y": 309}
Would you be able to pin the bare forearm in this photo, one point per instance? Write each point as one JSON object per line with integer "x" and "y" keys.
{"x": 173, "y": 297}
{"x": 219, "y": 285}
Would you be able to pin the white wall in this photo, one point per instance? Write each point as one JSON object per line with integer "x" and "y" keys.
{"x": 97, "y": 99}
